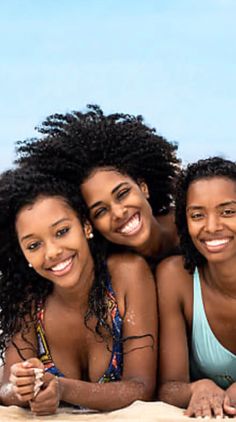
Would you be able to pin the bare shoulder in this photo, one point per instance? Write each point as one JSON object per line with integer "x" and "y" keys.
{"x": 172, "y": 277}
{"x": 128, "y": 271}
{"x": 128, "y": 262}
{"x": 171, "y": 265}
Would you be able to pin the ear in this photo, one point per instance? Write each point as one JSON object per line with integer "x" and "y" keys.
{"x": 88, "y": 230}
{"x": 144, "y": 189}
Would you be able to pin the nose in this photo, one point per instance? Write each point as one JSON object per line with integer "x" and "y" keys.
{"x": 53, "y": 250}
{"x": 213, "y": 223}
{"x": 118, "y": 211}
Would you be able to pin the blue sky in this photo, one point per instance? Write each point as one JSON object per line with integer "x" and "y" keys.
{"x": 173, "y": 61}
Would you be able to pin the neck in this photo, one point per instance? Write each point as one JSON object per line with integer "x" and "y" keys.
{"x": 155, "y": 244}
{"x": 221, "y": 276}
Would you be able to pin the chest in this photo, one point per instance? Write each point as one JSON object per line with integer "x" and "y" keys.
{"x": 76, "y": 350}
{"x": 217, "y": 314}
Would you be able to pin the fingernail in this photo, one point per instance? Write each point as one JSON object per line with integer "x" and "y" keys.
{"x": 26, "y": 364}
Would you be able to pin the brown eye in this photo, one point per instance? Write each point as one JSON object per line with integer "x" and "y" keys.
{"x": 100, "y": 212}
{"x": 196, "y": 215}
{"x": 62, "y": 232}
{"x": 123, "y": 193}
{"x": 228, "y": 212}
{"x": 33, "y": 246}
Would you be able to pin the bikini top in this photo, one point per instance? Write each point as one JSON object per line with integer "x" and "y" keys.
{"x": 114, "y": 370}
{"x": 208, "y": 357}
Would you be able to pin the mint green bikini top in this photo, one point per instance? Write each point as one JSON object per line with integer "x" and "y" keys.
{"x": 208, "y": 358}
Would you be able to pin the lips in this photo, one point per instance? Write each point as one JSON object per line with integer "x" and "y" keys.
{"x": 132, "y": 226}
{"x": 62, "y": 267}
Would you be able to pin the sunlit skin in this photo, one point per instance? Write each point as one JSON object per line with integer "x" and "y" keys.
{"x": 211, "y": 219}
{"x": 56, "y": 247}
{"x": 120, "y": 210}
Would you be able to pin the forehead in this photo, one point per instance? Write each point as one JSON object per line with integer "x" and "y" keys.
{"x": 215, "y": 189}
{"x": 104, "y": 179}
{"x": 108, "y": 172}
{"x": 44, "y": 209}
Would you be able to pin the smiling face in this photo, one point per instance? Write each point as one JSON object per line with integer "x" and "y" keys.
{"x": 211, "y": 217}
{"x": 53, "y": 241}
{"x": 119, "y": 208}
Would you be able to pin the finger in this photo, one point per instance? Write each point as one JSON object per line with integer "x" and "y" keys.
{"x": 203, "y": 411}
{"x": 24, "y": 397}
{"x": 229, "y": 409}
{"x": 190, "y": 410}
{"x": 21, "y": 381}
{"x": 28, "y": 389}
{"x": 27, "y": 364}
{"x": 49, "y": 391}
{"x": 46, "y": 408}
{"x": 217, "y": 406}
{"x": 36, "y": 363}
{"x": 22, "y": 372}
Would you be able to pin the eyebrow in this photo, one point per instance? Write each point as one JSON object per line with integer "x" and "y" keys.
{"x": 52, "y": 225}
{"x": 223, "y": 204}
{"x": 116, "y": 188}
{"x": 227, "y": 203}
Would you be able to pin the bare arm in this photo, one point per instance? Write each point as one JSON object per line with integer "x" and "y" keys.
{"x": 174, "y": 373}
{"x": 202, "y": 397}
{"x": 18, "y": 373}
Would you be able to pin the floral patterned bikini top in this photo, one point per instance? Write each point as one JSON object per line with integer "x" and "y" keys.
{"x": 114, "y": 370}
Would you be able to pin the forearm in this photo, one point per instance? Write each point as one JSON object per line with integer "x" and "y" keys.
{"x": 176, "y": 393}
{"x": 107, "y": 396}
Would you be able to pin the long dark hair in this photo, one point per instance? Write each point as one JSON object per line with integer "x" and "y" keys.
{"x": 20, "y": 286}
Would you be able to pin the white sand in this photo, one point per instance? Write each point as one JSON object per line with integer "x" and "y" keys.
{"x": 138, "y": 411}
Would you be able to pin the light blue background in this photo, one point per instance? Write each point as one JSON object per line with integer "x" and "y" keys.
{"x": 173, "y": 61}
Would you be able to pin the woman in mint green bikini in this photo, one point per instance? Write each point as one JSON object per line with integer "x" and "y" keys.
{"x": 71, "y": 321}
{"x": 197, "y": 294}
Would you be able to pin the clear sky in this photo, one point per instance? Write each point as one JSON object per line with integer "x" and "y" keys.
{"x": 173, "y": 61}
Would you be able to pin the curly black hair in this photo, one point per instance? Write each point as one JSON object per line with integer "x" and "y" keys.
{"x": 75, "y": 144}
{"x": 20, "y": 286}
{"x": 202, "y": 169}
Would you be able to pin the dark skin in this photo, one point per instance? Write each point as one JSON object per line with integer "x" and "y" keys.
{"x": 212, "y": 227}
{"x": 116, "y": 202}
{"x": 81, "y": 355}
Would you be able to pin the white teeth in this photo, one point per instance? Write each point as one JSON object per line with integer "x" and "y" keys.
{"x": 62, "y": 265}
{"x": 217, "y": 242}
{"x": 131, "y": 225}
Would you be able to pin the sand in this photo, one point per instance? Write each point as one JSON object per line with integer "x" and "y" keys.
{"x": 138, "y": 411}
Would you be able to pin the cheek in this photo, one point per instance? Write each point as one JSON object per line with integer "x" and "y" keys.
{"x": 102, "y": 224}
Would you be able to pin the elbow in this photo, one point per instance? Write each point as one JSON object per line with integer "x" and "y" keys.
{"x": 165, "y": 394}
{"x": 162, "y": 393}
{"x": 145, "y": 390}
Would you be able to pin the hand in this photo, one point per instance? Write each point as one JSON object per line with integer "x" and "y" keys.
{"x": 229, "y": 404}
{"x": 207, "y": 399}
{"x": 48, "y": 399}
{"x": 25, "y": 378}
